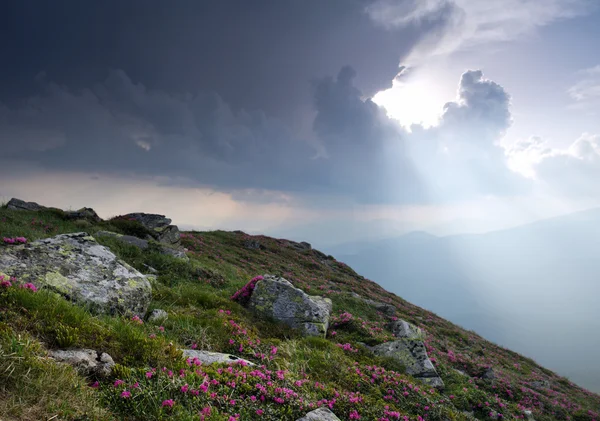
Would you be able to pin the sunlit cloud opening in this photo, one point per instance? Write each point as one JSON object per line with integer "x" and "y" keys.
{"x": 412, "y": 99}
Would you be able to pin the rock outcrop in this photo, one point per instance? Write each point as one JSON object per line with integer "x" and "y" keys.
{"x": 208, "y": 357}
{"x": 410, "y": 351}
{"x": 144, "y": 244}
{"x": 321, "y": 414}
{"x": 81, "y": 270}
{"x": 159, "y": 226}
{"x": 87, "y": 214}
{"x": 277, "y": 298}
{"x": 18, "y": 204}
{"x": 87, "y": 362}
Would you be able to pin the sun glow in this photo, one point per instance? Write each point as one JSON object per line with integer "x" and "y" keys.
{"x": 412, "y": 101}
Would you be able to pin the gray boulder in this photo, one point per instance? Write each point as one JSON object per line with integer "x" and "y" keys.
{"x": 252, "y": 244}
{"x": 87, "y": 362}
{"x": 208, "y": 357}
{"x": 157, "y": 315}
{"x": 81, "y": 270}
{"x": 321, "y": 414}
{"x": 302, "y": 246}
{"x": 87, "y": 214}
{"x": 159, "y": 226}
{"x": 387, "y": 309}
{"x": 402, "y": 329}
{"x": 276, "y": 298}
{"x": 18, "y": 204}
{"x": 144, "y": 244}
{"x": 412, "y": 354}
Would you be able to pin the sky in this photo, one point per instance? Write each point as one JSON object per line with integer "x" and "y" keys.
{"x": 320, "y": 121}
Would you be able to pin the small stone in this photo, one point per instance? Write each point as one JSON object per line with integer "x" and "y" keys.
{"x": 86, "y": 361}
{"x": 208, "y": 357}
{"x": 321, "y": 414}
{"x": 157, "y": 315}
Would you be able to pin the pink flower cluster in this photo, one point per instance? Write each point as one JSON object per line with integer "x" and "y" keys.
{"x": 243, "y": 295}
{"x": 6, "y": 282}
{"x": 14, "y": 240}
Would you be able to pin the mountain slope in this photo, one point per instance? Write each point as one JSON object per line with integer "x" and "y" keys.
{"x": 293, "y": 373}
{"x": 517, "y": 287}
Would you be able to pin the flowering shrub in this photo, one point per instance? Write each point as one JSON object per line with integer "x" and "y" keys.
{"x": 15, "y": 240}
{"x": 242, "y": 295}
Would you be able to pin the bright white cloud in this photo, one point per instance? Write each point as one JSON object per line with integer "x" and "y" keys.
{"x": 471, "y": 23}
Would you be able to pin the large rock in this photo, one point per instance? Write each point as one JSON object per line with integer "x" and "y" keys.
{"x": 86, "y": 361}
{"x": 80, "y": 269}
{"x": 321, "y": 414}
{"x": 412, "y": 354}
{"x": 276, "y": 298}
{"x": 144, "y": 244}
{"x": 159, "y": 226}
{"x": 18, "y": 204}
{"x": 208, "y": 357}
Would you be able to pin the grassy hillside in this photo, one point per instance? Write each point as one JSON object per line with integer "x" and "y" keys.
{"x": 293, "y": 373}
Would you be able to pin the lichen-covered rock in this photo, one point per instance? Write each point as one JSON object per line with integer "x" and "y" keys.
{"x": 412, "y": 354}
{"x": 81, "y": 270}
{"x": 158, "y": 226}
{"x": 321, "y": 414}
{"x": 276, "y": 298}
{"x": 144, "y": 244}
{"x": 208, "y": 357}
{"x": 87, "y": 214}
{"x": 402, "y": 329}
{"x": 18, "y": 204}
{"x": 86, "y": 361}
{"x": 157, "y": 315}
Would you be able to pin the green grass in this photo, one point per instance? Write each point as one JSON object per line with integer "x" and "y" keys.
{"x": 197, "y": 294}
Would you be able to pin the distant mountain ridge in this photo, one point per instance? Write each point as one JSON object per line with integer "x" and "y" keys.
{"x": 516, "y": 286}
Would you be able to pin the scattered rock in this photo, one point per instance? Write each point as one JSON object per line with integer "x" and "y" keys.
{"x": 489, "y": 374}
{"x": 321, "y": 414}
{"x": 87, "y": 214}
{"x": 150, "y": 268}
{"x": 157, "y": 315}
{"x": 208, "y": 357}
{"x": 18, "y": 204}
{"x": 412, "y": 354}
{"x": 529, "y": 415}
{"x": 81, "y": 270}
{"x": 253, "y": 244}
{"x": 462, "y": 373}
{"x": 303, "y": 246}
{"x": 540, "y": 384}
{"x": 144, "y": 244}
{"x": 386, "y": 309}
{"x": 402, "y": 329}
{"x": 277, "y": 298}
{"x": 158, "y": 226}
{"x": 88, "y": 362}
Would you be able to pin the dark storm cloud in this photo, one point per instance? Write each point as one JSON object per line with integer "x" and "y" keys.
{"x": 211, "y": 94}
{"x": 256, "y": 54}
{"x": 124, "y": 127}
